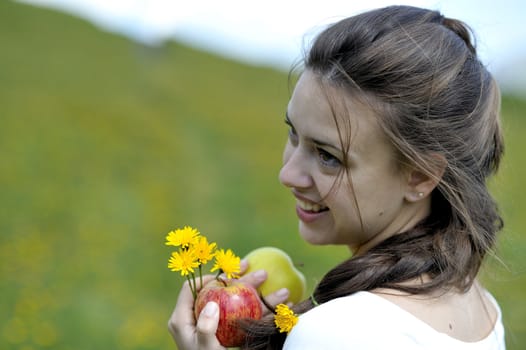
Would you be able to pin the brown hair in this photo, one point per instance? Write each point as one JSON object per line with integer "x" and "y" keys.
{"x": 433, "y": 97}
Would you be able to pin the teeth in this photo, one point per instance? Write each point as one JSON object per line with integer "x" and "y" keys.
{"x": 310, "y": 206}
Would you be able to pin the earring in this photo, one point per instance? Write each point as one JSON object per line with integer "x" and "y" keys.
{"x": 420, "y": 194}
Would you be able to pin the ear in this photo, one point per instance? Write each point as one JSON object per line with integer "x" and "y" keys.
{"x": 421, "y": 183}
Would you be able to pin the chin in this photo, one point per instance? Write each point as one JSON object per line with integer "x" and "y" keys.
{"x": 313, "y": 237}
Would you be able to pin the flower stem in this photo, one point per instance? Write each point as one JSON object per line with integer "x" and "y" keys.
{"x": 192, "y": 288}
{"x": 201, "y": 275}
{"x": 218, "y": 278}
{"x": 195, "y": 286}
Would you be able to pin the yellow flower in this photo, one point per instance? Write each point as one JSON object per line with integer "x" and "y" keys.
{"x": 182, "y": 237}
{"x": 285, "y": 318}
{"x": 184, "y": 261}
{"x": 228, "y": 263}
{"x": 204, "y": 251}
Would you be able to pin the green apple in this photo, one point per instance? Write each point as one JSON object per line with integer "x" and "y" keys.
{"x": 281, "y": 272}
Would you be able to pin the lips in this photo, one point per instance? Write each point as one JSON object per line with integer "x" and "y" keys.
{"x": 310, "y": 212}
{"x": 310, "y": 206}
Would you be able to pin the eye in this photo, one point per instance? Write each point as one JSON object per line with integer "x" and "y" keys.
{"x": 327, "y": 159}
{"x": 293, "y": 136}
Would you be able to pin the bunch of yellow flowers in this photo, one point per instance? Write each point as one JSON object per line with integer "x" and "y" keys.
{"x": 194, "y": 252}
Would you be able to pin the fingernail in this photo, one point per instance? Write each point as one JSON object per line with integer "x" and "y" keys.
{"x": 210, "y": 309}
{"x": 260, "y": 274}
{"x": 282, "y": 293}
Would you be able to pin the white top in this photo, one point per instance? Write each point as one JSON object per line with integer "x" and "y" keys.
{"x": 366, "y": 321}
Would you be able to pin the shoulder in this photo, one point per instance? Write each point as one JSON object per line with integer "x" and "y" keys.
{"x": 367, "y": 321}
{"x": 361, "y": 321}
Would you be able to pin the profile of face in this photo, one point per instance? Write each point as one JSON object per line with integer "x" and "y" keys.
{"x": 374, "y": 199}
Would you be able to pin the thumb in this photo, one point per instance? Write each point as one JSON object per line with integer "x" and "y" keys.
{"x": 207, "y": 326}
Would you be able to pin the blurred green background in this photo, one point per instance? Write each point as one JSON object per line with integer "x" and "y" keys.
{"x": 106, "y": 145}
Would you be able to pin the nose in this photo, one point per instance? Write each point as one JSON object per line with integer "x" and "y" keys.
{"x": 294, "y": 173}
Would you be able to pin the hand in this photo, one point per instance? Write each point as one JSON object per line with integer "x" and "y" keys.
{"x": 191, "y": 335}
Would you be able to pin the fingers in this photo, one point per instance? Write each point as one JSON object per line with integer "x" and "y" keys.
{"x": 182, "y": 325}
{"x": 270, "y": 301}
{"x": 243, "y": 266}
{"x": 278, "y": 297}
{"x": 255, "y": 278}
{"x": 207, "y": 326}
{"x": 183, "y": 317}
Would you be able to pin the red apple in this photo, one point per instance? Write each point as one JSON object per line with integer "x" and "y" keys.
{"x": 236, "y": 301}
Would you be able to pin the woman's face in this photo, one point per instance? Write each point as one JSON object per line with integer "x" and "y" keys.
{"x": 359, "y": 209}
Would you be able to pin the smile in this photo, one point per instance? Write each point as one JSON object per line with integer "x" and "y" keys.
{"x": 311, "y": 207}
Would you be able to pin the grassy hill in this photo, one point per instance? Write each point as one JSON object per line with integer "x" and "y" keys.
{"x": 106, "y": 145}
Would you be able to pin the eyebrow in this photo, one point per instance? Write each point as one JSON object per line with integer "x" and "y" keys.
{"x": 315, "y": 141}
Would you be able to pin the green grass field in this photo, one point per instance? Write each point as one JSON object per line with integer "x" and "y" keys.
{"x": 106, "y": 145}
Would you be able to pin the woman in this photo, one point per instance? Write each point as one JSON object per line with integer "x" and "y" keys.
{"x": 394, "y": 130}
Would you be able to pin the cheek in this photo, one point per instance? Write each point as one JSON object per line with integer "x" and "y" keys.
{"x": 339, "y": 195}
{"x": 379, "y": 202}
{"x": 357, "y": 204}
